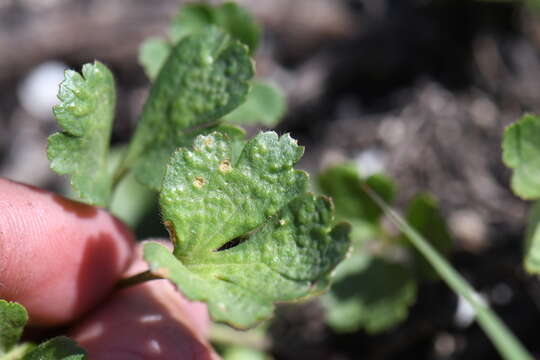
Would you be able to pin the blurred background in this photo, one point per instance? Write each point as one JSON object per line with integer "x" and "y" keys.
{"x": 420, "y": 90}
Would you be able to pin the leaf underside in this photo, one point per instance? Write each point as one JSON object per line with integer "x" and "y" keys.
{"x": 205, "y": 77}
{"x": 13, "y": 318}
{"x": 245, "y": 231}
{"x": 521, "y": 153}
{"x": 85, "y": 114}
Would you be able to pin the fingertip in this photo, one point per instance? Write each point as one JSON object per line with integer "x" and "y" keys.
{"x": 58, "y": 257}
{"x": 147, "y": 321}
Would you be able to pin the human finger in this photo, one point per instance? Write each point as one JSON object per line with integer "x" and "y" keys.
{"x": 58, "y": 257}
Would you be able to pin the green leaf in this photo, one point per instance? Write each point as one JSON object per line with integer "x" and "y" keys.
{"x": 13, "y": 318}
{"x": 532, "y": 240}
{"x": 230, "y": 17}
{"x": 345, "y": 186}
{"x": 206, "y": 76}
{"x": 424, "y": 216}
{"x": 58, "y": 348}
{"x": 245, "y": 232}
{"x": 190, "y": 19}
{"x": 18, "y": 351}
{"x": 521, "y": 152}
{"x": 152, "y": 56}
{"x": 85, "y": 114}
{"x": 244, "y": 353}
{"x": 239, "y": 23}
{"x": 131, "y": 201}
{"x": 199, "y": 17}
{"x": 375, "y": 298}
{"x": 265, "y": 104}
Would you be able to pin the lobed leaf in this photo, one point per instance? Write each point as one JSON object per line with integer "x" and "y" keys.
{"x": 199, "y": 17}
{"x": 376, "y": 297}
{"x": 245, "y": 232}
{"x": 13, "y": 319}
{"x": 265, "y": 105}
{"x": 521, "y": 152}
{"x": 206, "y": 76}
{"x": 344, "y": 184}
{"x": 85, "y": 114}
{"x": 58, "y": 348}
{"x": 424, "y": 216}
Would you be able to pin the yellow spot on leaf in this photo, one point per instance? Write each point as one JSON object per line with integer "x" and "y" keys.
{"x": 209, "y": 141}
{"x": 198, "y": 182}
{"x": 225, "y": 166}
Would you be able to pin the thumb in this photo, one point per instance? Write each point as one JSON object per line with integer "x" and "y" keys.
{"x": 58, "y": 257}
{"x": 147, "y": 321}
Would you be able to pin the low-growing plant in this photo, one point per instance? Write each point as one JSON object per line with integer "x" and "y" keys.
{"x": 245, "y": 229}
{"x": 521, "y": 153}
{"x": 374, "y": 287}
{"x": 422, "y": 220}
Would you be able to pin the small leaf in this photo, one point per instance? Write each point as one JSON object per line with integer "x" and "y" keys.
{"x": 424, "y": 216}
{"x": 85, "y": 114}
{"x": 191, "y": 18}
{"x": 532, "y": 240}
{"x": 230, "y": 17}
{"x": 375, "y": 298}
{"x": 265, "y": 104}
{"x": 521, "y": 152}
{"x": 58, "y": 348}
{"x": 198, "y": 17}
{"x": 239, "y": 23}
{"x": 13, "y": 318}
{"x": 206, "y": 76}
{"x": 345, "y": 186}
{"x": 152, "y": 56}
{"x": 245, "y": 231}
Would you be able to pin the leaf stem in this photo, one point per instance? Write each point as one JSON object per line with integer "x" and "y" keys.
{"x": 119, "y": 174}
{"x": 137, "y": 279}
{"x": 506, "y": 343}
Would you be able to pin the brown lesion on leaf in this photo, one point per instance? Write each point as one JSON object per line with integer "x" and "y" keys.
{"x": 170, "y": 229}
{"x": 225, "y": 166}
{"x": 199, "y": 182}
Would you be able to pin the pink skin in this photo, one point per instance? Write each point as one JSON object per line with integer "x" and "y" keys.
{"x": 61, "y": 259}
{"x": 168, "y": 326}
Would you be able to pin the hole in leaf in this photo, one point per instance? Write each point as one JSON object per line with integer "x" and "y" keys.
{"x": 234, "y": 242}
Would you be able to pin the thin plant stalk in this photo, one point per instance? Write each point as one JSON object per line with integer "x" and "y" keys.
{"x": 504, "y": 340}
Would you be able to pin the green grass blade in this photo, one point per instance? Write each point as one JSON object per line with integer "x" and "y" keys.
{"x": 506, "y": 343}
